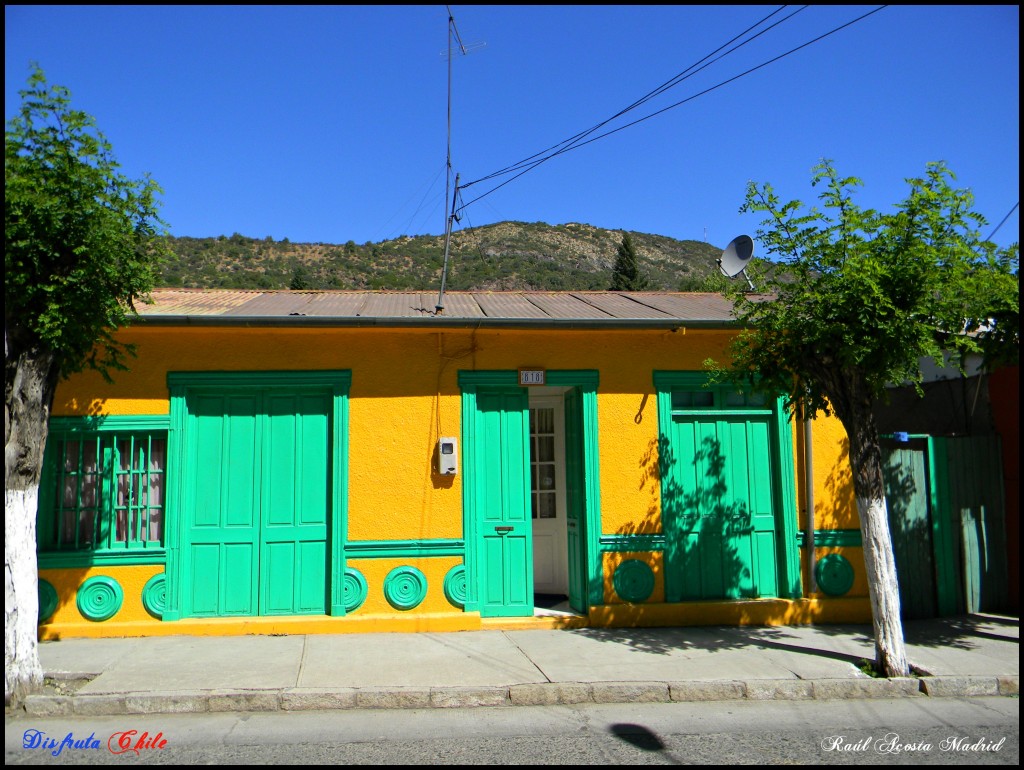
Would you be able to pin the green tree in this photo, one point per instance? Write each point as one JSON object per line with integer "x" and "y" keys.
{"x": 83, "y": 243}
{"x": 858, "y": 300}
{"x": 300, "y": 279}
{"x": 626, "y": 275}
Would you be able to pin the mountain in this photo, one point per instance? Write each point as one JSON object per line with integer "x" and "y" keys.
{"x": 502, "y": 256}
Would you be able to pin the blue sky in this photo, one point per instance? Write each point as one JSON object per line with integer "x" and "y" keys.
{"x": 328, "y": 124}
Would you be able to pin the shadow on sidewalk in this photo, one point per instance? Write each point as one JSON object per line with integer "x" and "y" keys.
{"x": 846, "y": 643}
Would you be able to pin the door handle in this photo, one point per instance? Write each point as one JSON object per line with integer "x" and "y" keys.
{"x": 502, "y": 530}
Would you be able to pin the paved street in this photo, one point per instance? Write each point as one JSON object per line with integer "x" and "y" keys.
{"x": 964, "y": 731}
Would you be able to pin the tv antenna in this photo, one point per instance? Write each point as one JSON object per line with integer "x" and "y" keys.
{"x": 453, "y": 49}
{"x": 735, "y": 258}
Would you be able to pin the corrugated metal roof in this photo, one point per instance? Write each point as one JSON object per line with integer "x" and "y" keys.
{"x": 478, "y": 308}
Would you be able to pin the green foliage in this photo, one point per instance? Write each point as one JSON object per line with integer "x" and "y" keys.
{"x": 300, "y": 279}
{"x": 713, "y": 282}
{"x": 626, "y": 275}
{"x": 81, "y": 239}
{"x": 861, "y": 296}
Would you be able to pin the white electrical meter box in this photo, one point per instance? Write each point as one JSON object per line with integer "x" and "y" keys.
{"x": 447, "y": 456}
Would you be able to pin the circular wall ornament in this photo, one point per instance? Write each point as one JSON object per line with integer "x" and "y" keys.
{"x": 633, "y": 581}
{"x": 99, "y": 598}
{"x": 154, "y": 595}
{"x": 455, "y": 586}
{"x": 405, "y": 587}
{"x": 834, "y": 574}
{"x": 47, "y": 600}
{"x": 353, "y": 590}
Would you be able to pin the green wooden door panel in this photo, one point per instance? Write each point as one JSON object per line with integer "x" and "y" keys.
{"x": 575, "y": 499}
{"x": 973, "y": 538}
{"x": 502, "y": 494}
{"x": 237, "y": 584}
{"x": 976, "y": 500}
{"x": 257, "y": 502}
{"x": 221, "y": 521}
{"x": 718, "y": 505}
{"x": 296, "y": 500}
{"x": 910, "y": 524}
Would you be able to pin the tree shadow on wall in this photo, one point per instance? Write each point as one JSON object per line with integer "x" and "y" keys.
{"x": 707, "y": 530}
{"x": 840, "y": 505}
{"x": 910, "y": 529}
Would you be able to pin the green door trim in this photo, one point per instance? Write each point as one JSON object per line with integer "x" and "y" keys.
{"x": 179, "y": 384}
{"x": 585, "y": 381}
{"x": 781, "y": 436}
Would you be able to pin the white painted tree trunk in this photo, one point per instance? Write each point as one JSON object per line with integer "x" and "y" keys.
{"x": 21, "y": 594}
{"x": 883, "y": 587}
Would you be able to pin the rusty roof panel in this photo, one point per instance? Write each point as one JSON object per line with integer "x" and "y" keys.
{"x": 514, "y": 306}
{"x": 395, "y": 305}
{"x": 272, "y": 303}
{"x": 564, "y": 306}
{"x": 619, "y": 305}
{"x": 461, "y": 304}
{"x": 194, "y": 301}
{"x": 508, "y": 305}
{"x": 689, "y": 306}
{"x": 337, "y": 304}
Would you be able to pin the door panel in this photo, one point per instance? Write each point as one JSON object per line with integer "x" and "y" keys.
{"x": 905, "y": 476}
{"x": 296, "y": 495}
{"x": 256, "y": 503}
{"x": 718, "y": 508}
{"x": 548, "y": 494}
{"x": 221, "y": 517}
{"x": 575, "y": 499}
{"x": 501, "y": 495}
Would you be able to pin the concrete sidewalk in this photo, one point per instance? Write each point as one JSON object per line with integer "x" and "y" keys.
{"x": 970, "y": 655}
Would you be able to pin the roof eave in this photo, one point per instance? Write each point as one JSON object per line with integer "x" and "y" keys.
{"x": 433, "y": 322}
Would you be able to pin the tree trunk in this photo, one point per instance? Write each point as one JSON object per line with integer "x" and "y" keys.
{"x": 30, "y": 383}
{"x": 854, "y": 408}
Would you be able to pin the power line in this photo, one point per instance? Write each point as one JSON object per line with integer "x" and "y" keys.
{"x": 670, "y": 83}
{"x": 1008, "y": 214}
{"x": 534, "y": 164}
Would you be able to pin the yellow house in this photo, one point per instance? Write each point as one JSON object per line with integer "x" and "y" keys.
{"x": 306, "y": 462}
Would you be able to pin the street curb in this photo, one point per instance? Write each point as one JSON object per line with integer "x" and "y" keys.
{"x": 538, "y": 694}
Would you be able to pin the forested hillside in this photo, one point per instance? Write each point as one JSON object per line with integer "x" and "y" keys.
{"x": 504, "y": 256}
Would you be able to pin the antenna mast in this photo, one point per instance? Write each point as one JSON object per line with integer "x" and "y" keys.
{"x": 453, "y": 32}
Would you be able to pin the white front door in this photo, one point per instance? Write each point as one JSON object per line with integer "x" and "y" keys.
{"x": 547, "y": 487}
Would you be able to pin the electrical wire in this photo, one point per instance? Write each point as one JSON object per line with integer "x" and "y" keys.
{"x": 670, "y": 83}
{"x": 536, "y": 163}
{"x": 1008, "y": 214}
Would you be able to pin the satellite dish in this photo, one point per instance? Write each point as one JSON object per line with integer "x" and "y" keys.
{"x": 736, "y": 256}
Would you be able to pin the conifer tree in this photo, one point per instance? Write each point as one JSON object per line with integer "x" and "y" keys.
{"x": 626, "y": 275}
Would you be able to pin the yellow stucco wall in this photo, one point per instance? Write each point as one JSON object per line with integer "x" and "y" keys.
{"x": 405, "y": 395}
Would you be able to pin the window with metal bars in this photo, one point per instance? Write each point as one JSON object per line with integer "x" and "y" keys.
{"x": 104, "y": 492}
{"x": 542, "y": 463}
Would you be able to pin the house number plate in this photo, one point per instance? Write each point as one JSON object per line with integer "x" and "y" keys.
{"x": 531, "y": 376}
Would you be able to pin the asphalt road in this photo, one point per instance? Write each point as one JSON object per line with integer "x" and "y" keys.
{"x": 965, "y": 731}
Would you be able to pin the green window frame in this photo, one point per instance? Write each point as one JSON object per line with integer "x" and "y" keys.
{"x": 103, "y": 491}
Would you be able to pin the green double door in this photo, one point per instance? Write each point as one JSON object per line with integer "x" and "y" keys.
{"x": 256, "y": 502}
{"x": 718, "y": 506}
